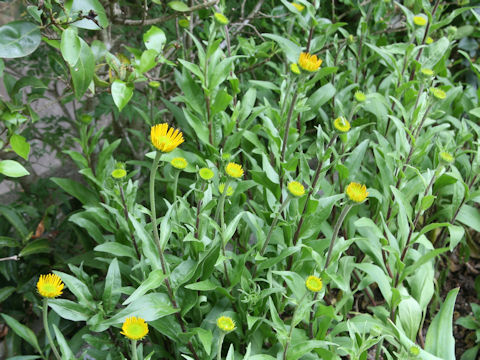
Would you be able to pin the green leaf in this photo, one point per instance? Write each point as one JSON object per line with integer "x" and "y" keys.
{"x": 83, "y": 70}
{"x": 439, "y": 340}
{"x": 222, "y": 100}
{"x": 36, "y": 247}
{"x": 377, "y": 275}
{"x": 12, "y": 168}
{"x": 78, "y": 288}
{"x": 178, "y": 6}
{"x": 205, "y": 338}
{"x": 410, "y": 315}
{"x": 13, "y": 217}
{"x": 70, "y": 46}
{"x": 121, "y": 93}
{"x": 423, "y": 259}
{"x": 77, "y": 190}
{"x": 21, "y": 330}
{"x": 291, "y": 50}
{"x": 147, "y": 62}
{"x": 19, "y": 39}
{"x": 85, "y": 6}
{"x": 69, "y": 310}
{"x": 469, "y": 216}
{"x": 154, "y": 281}
{"x": 5, "y": 292}
{"x": 154, "y": 39}
{"x": 64, "y": 348}
{"x": 116, "y": 249}
{"x": 427, "y": 201}
{"x": 20, "y": 146}
{"x": 113, "y": 282}
{"x": 205, "y": 285}
{"x": 321, "y": 96}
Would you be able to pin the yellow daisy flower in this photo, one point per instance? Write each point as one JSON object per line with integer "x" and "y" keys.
{"x": 299, "y": 7}
{"x": 446, "y": 156}
{"x": 221, "y": 188}
{"x": 341, "y": 124}
{"x": 119, "y": 173}
{"x": 165, "y": 139}
{"x": 226, "y": 323}
{"x": 134, "y": 328}
{"x": 438, "y": 93}
{"x": 296, "y": 189}
{"x": 206, "y": 173}
{"x": 427, "y": 72}
{"x": 314, "y": 283}
{"x": 309, "y": 62}
{"x": 179, "y": 163}
{"x": 419, "y": 20}
{"x": 234, "y": 170}
{"x": 50, "y": 286}
{"x": 357, "y": 192}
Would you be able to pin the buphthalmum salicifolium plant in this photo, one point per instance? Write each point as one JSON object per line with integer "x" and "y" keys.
{"x": 278, "y": 180}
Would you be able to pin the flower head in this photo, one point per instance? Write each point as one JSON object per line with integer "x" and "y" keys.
{"x": 357, "y": 192}
{"x": 221, "y": 188}
{"x": 419, "y": 20}
{"x": 341, "y": 124}
{"x": 446, "y": 156}
{"x": 299, "y": 7}
{"x": 295, "y": 188}
{"x": 294, "y": 68}
{"x": 206, "y": 173}
{"x": 360, "y": 96}
{"x": 134, "y": 328}
{"x": 179, "y": 163}
{"x": 234, "y": 170}
{"x": 50, "y": 286}
{"x": 221, "y": 19}
{"x": 438, "y": 93}
{"x": 427, "y": 71}
{"x": 314, "y": 283}
{"x": 226, "y": 323}
{"x": 165, "y": 139}
{"x": 309, "y": 62}
{"x": 429, "y": 40}
{"x": 119, "y": 173}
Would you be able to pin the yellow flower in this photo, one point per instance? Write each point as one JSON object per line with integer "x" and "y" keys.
{"x": 438, "y": 93}
{"x": 357, "y": 192}
{"x": 179, "y": 163}
{"x": 294, "y": 68}
{"x": 296, "y": 189}
{"x": 226, "y": 323}
{"x": 206, "y": 173}
{"x": 360, "y": 96}
{"x": 165, "y": 139}
{"x": 446, "y": 156}
{"x": 50, "y": 286}
{"x": 427, "y": 72}
{"x": 119, "y": 173}
{"x": 221, "y": 19}
{"x": 429, "y": 40}
{"x": 341, "y": 124}
{"x": 419, "y": 20}
{"x": 314, "y": 283}
{"x": 234, "y": 170}
{"x": 299, "y": 7}
{"x": 309, "y": 62}
{"x": 134, "y": 328}
{"x": 221, "y": 188}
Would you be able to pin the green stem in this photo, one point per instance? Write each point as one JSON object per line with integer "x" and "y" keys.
{"x": 134, "y": 350}
{"x": 220, "y": 343}
{"x": 174, "y": 203}
{"x": 221, "y": 204}
{"x": 336, "y": 229}
{"x": 221, "y": 210}
{"x": 274, "y": 223}
{"x": 47, "y": 329}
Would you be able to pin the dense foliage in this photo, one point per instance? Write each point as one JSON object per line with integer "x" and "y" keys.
{"x": 238, "y": 179}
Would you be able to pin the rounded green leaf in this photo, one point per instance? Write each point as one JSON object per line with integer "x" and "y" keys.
{"x": 20, "y": 146}
{"x": 178, "y": 6}
{"x": 18, "y": 39}
{"x": 154, "y": 39}
{"x": 12, "y": 168}
{"x": 121, "y": 93}
{"x": 70, "y": 46}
